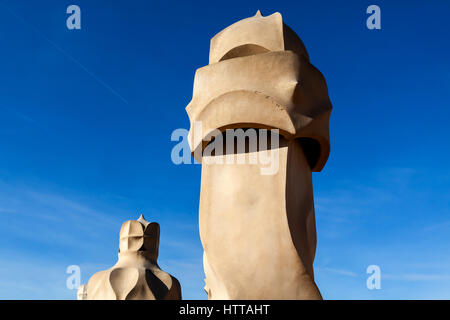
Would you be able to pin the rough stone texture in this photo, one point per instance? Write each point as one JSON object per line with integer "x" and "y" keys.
{"x": 258, "y": 231}
{"x": 136, "y": 275}
{"x": 82, "y": 292}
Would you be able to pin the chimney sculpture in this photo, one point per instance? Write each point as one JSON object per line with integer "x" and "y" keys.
{"x": 258, "y": 229}
{"x": 136, "y": 275}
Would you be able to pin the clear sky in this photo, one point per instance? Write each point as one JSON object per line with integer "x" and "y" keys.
{"x": 86, "y": 118}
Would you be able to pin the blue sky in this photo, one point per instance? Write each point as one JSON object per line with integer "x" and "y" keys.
{"x": 86, "y": 117}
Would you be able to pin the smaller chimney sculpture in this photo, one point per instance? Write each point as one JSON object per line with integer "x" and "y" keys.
{"x": 136, "y": 275}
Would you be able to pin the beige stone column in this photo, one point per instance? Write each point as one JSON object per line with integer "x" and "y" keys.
{"x": 257, "y": 229}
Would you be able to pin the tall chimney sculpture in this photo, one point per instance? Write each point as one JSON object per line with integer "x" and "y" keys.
{"x": 258, "y": 229}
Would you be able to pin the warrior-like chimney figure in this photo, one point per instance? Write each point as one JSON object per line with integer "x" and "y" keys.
{"x": 136, "y": 275}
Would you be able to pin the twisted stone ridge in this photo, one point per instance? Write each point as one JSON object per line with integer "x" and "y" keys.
{"x": 136, "y": 275}
{"x": 258, "y": 231}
